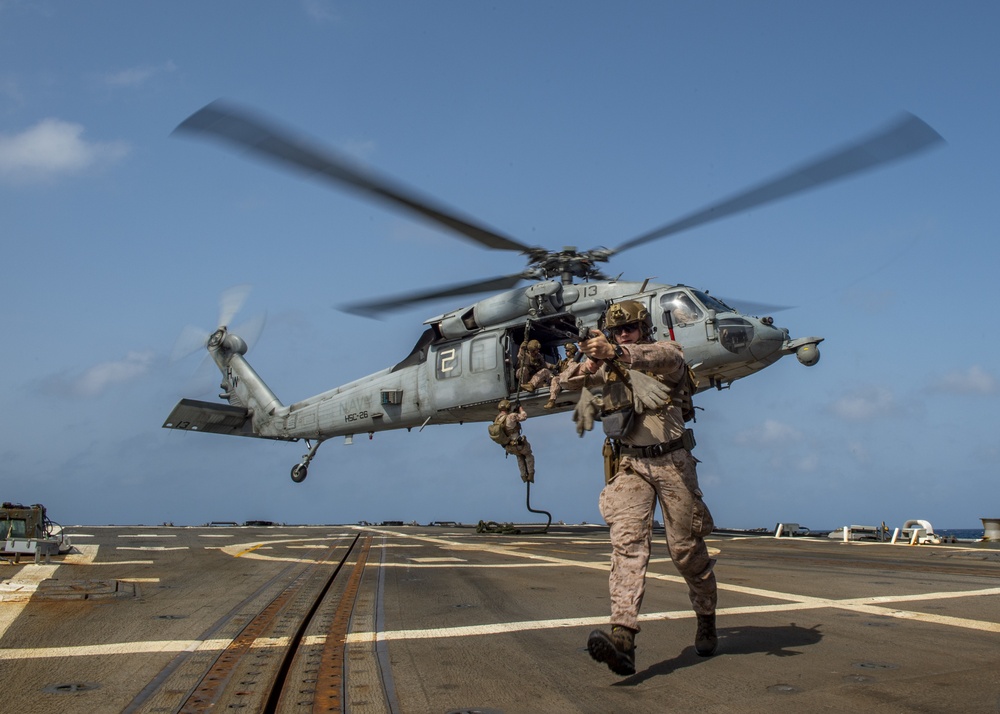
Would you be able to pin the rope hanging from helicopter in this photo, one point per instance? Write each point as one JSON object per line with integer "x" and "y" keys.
{"x": 527, "y": 498}
{"x": 527, "y": 502}
{"x": 517, "y": 367}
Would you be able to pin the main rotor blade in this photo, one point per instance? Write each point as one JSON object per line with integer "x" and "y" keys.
{"x": 908, "y": 135}
{"x": 243, "y": 129}
{"x": 750, "y": 307}
{"x": 372, "y": 309}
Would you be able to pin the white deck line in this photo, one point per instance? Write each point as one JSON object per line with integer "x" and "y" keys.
{"x": 877, "y": 605}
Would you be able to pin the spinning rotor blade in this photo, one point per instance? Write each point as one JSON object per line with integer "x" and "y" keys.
{"x": 243, "y": 129}
{"x": 750, "y": 307}
{"x": 191, "y": 340}
{"x": 908, "y": 135}
{"x": 194, "y": 339}
{"x": 372, "y": 309}
{"x": 230, "y": 303}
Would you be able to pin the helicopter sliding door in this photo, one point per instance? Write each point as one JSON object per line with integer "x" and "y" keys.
{"x": 467, "y": 374}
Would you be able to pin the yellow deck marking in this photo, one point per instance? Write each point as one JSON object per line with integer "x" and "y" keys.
{"x": 251, "y": 549}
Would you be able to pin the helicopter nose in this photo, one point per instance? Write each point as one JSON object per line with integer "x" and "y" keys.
{"x": 767, "y": 342}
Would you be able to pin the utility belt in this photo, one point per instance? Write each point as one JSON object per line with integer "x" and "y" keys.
{"x": 614, "y": 450}
{"x": 685, "y": 442}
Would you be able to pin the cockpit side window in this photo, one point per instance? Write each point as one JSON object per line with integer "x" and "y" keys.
{"x": 683, "y": 309}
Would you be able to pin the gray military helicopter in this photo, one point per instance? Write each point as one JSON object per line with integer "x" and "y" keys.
{"x": 465, "y": 360}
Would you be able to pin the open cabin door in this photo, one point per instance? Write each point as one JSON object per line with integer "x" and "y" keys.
{"x": 552, "y": 333}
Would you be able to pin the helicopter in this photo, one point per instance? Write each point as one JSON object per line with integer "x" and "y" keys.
{"x": 465, "y": 360}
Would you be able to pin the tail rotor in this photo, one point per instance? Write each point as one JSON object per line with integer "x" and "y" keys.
{"x": 195, "y": 339}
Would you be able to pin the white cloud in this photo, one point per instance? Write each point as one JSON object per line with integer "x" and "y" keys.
{"x": 865, "y": 404}
{"x": 769, "y": 433}
{"x": 974, "y": 380}
{"x": 99, "y": 378}
{"x": 809, "y": 463}
{"x": 106, "y": 374}
{"x": 53, "y": 148}
{"x": 320, "y": 10}
{"x": 137, "y": 76}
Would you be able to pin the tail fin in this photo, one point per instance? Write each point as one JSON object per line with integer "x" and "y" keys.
{"x": 241, "y": 385}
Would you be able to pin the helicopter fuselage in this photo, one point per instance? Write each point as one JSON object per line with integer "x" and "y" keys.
{"x": 465, "y": 361}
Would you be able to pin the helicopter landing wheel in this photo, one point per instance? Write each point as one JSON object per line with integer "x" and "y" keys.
{"x": 299, "y": 473}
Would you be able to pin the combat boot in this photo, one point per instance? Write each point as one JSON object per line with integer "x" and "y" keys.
{"x": 706, "y": 640}
{"x": 526, "y": 387}
{"x": 549, "y": 404}
{"x": 616, "y": 650}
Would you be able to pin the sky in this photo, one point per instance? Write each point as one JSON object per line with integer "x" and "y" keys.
{"x": 561, "y": 124}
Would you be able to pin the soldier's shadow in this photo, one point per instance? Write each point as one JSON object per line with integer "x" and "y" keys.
{"x": 775, "y": 641}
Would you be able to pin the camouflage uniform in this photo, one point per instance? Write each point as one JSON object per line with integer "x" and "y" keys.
{"x": 518, "y": 445}
{"x": 628, "y": 502}
{"x": 532, "y": 369}
{"x": 555, "y": 386}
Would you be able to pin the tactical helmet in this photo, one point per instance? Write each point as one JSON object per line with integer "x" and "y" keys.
{"x": 571, "y": 349}
{"x": 628, "y": 312}
{"x": 503, "y": 405}
{"x": 534, "y": 345}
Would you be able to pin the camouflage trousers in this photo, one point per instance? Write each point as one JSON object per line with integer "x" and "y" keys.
{"x": 554, "y": 388}
{"x": 628, "y": 504}
{"x": 525, "y": 459}
{"x": 542, "y": 376}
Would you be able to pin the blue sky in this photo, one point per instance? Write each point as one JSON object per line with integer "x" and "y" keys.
{"x": 561, "y": 123}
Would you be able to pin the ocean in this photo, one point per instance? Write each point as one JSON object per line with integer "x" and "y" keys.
{"x": 961, "y": 533}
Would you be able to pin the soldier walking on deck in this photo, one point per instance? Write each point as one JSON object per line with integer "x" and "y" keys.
{"x": 647, "y": 459}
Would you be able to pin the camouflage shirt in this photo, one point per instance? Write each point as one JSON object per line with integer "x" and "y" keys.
{"x": 663, "y": 360}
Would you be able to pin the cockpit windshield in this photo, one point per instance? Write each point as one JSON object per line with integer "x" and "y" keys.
{"x": 681, "y": 307}
{"x": 687, "y": 307}
{"x": 712, "y": 303}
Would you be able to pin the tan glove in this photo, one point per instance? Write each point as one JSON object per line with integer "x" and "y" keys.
{"x": 647, "y": 393}
{"x": 586, "y": 410}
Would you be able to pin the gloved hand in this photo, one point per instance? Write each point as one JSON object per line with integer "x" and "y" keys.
{"x": 647, "y": 393}
{"x": 586, "y": 410}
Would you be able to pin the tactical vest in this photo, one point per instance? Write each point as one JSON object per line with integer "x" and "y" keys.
{"x": 618, "y": 413}
{"x": 498, "y": 432}
{"x": 683, "y": 395}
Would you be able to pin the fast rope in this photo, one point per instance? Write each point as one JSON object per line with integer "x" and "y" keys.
{"x": 528, "y": 504}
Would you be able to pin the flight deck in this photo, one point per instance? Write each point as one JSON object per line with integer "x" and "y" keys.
{"x": 439, "y": 619}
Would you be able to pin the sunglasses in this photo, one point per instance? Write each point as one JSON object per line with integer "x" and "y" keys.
{"x": 622, "y": 329}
